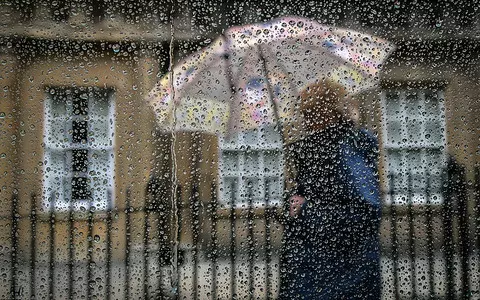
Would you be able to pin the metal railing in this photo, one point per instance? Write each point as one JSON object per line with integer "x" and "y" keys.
{"x": 439, "y": 247}
{"x": 428, "y": 251}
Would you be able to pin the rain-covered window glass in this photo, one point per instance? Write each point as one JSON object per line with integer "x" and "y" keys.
{"x": 239, "y": 149}
{"x": 78, "y": 148}
{"x": 414, "y": 129}
{"x": 251, "y": 167}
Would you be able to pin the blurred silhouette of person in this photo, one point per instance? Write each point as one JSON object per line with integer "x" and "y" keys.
{"x": 330, "y": 245}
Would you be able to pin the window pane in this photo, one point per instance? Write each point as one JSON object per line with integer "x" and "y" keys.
{"x": 394, "y": 132}
{"x": 54, "y": 172}
{"x": 414, "y": 132}
{"x": 230, "y": 162}
{"x": 250, "y": 138}
{"x": 252, "y": 163}
{"x": 80, "y": 105}
{"x": 393, "y": 104}
{"x": 58, "y": 106}
{"x": 432, "y": 104}
{"x": 273, "y": 188}
{"x": 270, "y": 135}
{"x": 434, "y": 133}
{"x": 272, "y": 162}
{"x": 251, "y": 189}
{"x": 413, "y": 106}
{"x": 80, "y": 188}
{"x": 100, "y": 105}
{"x": 99, "y": 163}
{"x": 80, "y": 160}
{"x": 56, "y": 136}
{"x": 100, "y": 133}
{"x": 229, "y": 189}
{"x": 414, "y": 161}
{"x": 435, "y": 160}
{"x": 79, "y": 132}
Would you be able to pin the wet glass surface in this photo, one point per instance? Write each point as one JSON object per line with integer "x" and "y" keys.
{"x": 239, "y": 149}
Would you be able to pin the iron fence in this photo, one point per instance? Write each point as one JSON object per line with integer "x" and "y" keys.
{"x": 428, "y": 251}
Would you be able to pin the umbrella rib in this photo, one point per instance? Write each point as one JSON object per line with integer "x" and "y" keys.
{"x": 292, "y": 86}
{"x": 339, "y": 59}
{"x": 289, "y": 80}
{"x": 229, "y": 74}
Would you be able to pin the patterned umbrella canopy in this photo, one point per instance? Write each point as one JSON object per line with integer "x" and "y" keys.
{"x": 251, "y": 75}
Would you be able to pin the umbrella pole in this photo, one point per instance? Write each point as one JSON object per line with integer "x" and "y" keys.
{"x": 270, "y": 94}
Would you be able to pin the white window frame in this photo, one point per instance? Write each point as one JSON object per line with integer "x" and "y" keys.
{"x": 103, "y": 192}
{"x": 239, "y": 145}
{"x": 402, "y": 198}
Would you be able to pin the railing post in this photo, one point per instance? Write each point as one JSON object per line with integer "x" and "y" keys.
{"x": 411, "y": 236}
{"x": 179, "y": 208}
{"x": 71, "y": 253}
{"x": 268, "y": 241}
{"x": 33, "y": 242}
{"x": 14, "y": 247}
{"x": 463, "y": 220}
{"x": 448, "y": 234}
{"x": 250, "y": 239}
{"x": 51, "y": 284}
{"x": 108, "y": 241}
{"x": 146, "y": 237}
{"x": 394, "y": 239}
{"x": 128, "y": 195}
{"x": 214, "y": 246}
{"x": 477, "y": 215}
{"x": 431, "y": 286}
{"x": 233, "y": 284}
{"x": 90, "y": 238}
{"x": 194, "y": 208}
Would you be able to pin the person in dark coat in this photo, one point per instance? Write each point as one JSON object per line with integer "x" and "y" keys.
{"x": 331, "y": 246}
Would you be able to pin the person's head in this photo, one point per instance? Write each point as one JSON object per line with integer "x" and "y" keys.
{"x": 321, "y": 104}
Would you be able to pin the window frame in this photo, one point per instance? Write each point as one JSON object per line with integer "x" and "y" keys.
{"x": 417, "y": 198}
{"x": 62, "y": 201}
{"x": 239, "y": 146}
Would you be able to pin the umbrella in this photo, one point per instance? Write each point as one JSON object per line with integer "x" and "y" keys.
{"x": 251, "y": 75}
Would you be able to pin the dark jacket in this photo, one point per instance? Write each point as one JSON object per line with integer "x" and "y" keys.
{"x": 331, "y": 249}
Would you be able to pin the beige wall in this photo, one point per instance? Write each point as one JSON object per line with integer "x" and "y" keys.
{"x": 133, "y": 147}
{"x": 8, "y": 149}
{"x": 8, "y": 129}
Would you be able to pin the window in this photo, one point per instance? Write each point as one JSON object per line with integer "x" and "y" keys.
{"x": 251, "y": 167}
{"x": 414, "y": 132}
{"x": 78, "y": 138}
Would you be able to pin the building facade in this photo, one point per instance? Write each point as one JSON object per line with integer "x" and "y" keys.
{"x": 80, "y": 148}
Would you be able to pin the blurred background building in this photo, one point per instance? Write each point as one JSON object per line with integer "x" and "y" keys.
{"x": 86, "y": 182}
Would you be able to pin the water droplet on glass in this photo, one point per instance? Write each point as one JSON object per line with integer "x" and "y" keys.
{"x": 116, "y": 48}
